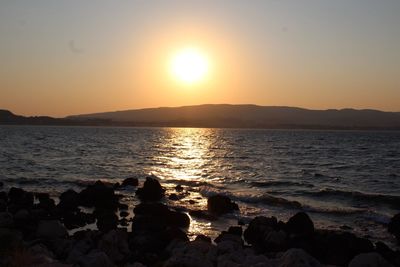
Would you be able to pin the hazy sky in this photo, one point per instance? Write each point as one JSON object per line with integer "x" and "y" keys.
{"x": 69, "y": 57}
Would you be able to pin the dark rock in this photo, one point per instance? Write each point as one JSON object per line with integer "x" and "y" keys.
{"x": 3, "y": 205}
{"x": 173, "y": 197}
{"x": 1, "y": 184}
{"x": 300, "y": 224}
{"x": 106, "y": 220}
{"x": 337, "y": 248}
{"x": 191, "y": 201}
{"x": 202, "y": 214}
{"x": 51, "y": 229}
{"x": 235, "y": 230}
{"x": 98, "y": 195}
{"x": 75, "y": 219}
{"x": 123, "y": 206}
{"x": 130, "y": 182}
{"x": 258, "y": 228}
{"x": 371, "y": 259}
{"x": 6, "y": 220}
{"x": 9, "y": 240}
{"x": 179, "y": 188}
{"x": 203, "y": 238}
{"x": 45, "y": 202}
{"x": 115, "y": 245}
{"x": 394, "y": 227}
{"x": 19, "y": 198}
{"x": 69, "y": 200}
{"x": 151, "y": 190}
{"x": 158, "y": 215}
{"x": 123, "y": 222}
{"x": 124, "y": 214}
{"x": 3, "y": 196}
{"x": 220, "y": 204}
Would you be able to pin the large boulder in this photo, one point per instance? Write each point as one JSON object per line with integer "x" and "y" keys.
{"x": 99, "y": 195}
{"x": 106, "y": 220}
{"x": 19, "y": 199}
{"x": 258, "y": 228}
{"x": 219, "y": 204}
{"x": 45, "y": 202}
{"x": 300, "y": 225}
{"x": 151, "y": 190}
{"x": 372, "y": 259}
{"x": 51, "y": 229}
{"x": 95, "y": 258}
{"x": 394, "y": 227}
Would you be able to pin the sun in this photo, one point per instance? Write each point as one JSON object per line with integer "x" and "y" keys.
{"x": 189, "y": 66}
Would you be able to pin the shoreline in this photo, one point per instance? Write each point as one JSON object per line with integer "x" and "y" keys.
{"x": 44, "y": 233}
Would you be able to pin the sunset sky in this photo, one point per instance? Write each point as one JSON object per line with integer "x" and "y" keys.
{"x": 70, "y": 57}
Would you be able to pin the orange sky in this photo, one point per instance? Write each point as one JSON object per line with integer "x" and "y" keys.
{"x": 60, "y": 59}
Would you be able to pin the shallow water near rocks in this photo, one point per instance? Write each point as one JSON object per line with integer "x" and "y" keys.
{"x": 348, "y": 179}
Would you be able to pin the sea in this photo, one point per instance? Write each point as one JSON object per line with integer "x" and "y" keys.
{"x": 344, "y": 180}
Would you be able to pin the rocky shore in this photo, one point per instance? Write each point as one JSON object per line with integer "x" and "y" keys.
{"x": 36, "y": 230}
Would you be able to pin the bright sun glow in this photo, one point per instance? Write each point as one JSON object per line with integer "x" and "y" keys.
{"x": 189, "y": 66}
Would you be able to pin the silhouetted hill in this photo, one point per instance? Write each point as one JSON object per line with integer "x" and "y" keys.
{"x": 251, "y": 116}
{"x": 236, "y": 116}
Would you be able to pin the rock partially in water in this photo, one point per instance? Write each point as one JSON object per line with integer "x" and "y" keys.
{"x": 106, "y": 220}
{"x": 394, "y": 227}
{"x": 219, "y": 204}
{"x": 372, "y": 259}
{"x": 258, "y": 228}
{"x": 19, "y": 199}
{"x": 300, "y": 224}
{"x": 51, "y": 229}
{"x": 130, "y": 182}
{"x": 203, "y": 214}
{"x": 151, "y": 190}
{"x": 69, "y": 200}
{"x": 99, "y": 195}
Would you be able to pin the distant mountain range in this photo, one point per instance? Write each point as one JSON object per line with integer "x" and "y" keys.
{"x": 223, "y": 115}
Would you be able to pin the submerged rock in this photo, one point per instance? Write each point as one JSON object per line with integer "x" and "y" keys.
{"x": 151, "y": 190}
{"x": 220, "y": 204}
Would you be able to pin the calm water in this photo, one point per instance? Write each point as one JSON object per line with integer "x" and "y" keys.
{"x": 339, "y": 178}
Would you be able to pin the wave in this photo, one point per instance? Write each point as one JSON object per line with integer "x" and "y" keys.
{"x": 391, "y": 200}
{"x": 281, "y": 183}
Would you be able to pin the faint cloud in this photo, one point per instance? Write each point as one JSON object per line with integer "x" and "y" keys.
{"x": 74, "y": 49}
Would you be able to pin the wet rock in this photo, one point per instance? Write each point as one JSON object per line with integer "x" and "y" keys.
{"x": 106, "y": 220}
{"x": 122, "y": 206}
{"x": 98, "y": 195}
{"x": 95, "y": 258}
{"x": 130, "y": 182}
{"x": 297, "y": 257}
{"x": 51, "y": 229}
{"x": 174, "y": 197}
{"x": 69, "y": 200}
{"x": 6, "y": 220}
{"x": 235, "y": 230}
{"x": 151, "y": 190}
{"x": 369, "y": 260}
{"x": 115, "y": 245}
{"x": 394, "y": 227}
{"x": 300, "y": 224}
{"x": 202, "y": 214}
{"x": 258, "y": 228}
{"x": 220, "y": 204}
{"x": 203, "y": 238}
{"x": 158, "y": 215}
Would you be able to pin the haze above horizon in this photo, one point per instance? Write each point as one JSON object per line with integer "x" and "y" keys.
{"x": 74, "y": 57}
